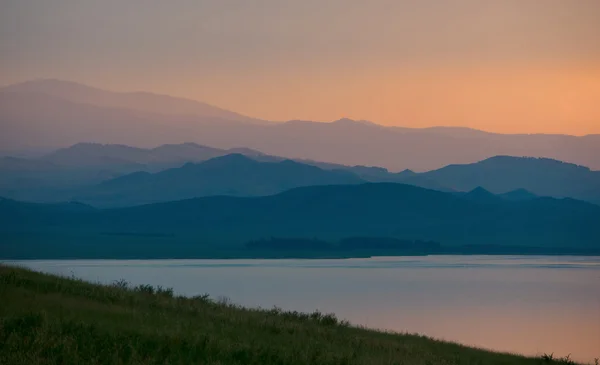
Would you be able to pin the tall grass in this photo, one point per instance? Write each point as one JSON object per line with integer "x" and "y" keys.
{"x": 46, "y": 319}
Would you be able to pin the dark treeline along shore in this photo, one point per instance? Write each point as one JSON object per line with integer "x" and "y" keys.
{"x": 46, "y": 319}
{"x": 344, "y": 221}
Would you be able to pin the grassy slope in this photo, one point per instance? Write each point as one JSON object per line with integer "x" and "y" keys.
{"x": 46, "y": 319}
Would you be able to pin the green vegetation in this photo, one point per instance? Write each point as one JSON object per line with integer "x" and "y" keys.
{"x": 46, "y": 319}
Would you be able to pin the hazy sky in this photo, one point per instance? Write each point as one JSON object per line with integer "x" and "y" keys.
{"x": 506, "y": 66}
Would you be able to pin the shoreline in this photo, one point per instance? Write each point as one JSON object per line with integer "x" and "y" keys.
{"x": 291, "y": 257}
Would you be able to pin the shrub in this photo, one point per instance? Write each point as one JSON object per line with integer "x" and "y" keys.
{"x": 225, "y": 301}
{"x": 121, "y": 284}
{"x": 329, "y": 319}
{"x": 164, "y": 292}
{"x": 202, "y": 298}
{"x": 145, "y": 289}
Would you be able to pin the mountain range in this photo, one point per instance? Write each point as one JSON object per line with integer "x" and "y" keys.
{"x": 323, "y": 212}
{"x": 233, "y": 175}
{"x": 118, "y": 175}
{"x": 91, "y": 163}
{"x": 501, "y": 174}
{"x": 136, "y": 184}
{"x": 52, "y": 113}
{"x": 138, "y": 101}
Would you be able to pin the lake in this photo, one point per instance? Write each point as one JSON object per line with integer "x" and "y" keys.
{"x": 523, "y": 304}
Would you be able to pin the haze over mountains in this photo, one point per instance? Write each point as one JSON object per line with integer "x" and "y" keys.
{"x": 233, "y": 175}
{"x": 87, "y": 163}
{"x": 237, "y": 175}
{"x": 501, "y": 174}
{"x": 177, "y": 172}
{"x": 140, "y": 101}
{"x": 86, "y": 155}
{"x": 51, "y": 113}
{"x": 118, "y": 175}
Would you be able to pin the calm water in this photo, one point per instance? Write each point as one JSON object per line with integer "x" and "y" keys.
{"x": 528, "y": 305}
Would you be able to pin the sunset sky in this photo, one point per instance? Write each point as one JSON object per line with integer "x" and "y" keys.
{"x": 513, "y": 66}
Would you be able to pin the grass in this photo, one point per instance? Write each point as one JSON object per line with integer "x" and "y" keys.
{"x": 46, "y": 319}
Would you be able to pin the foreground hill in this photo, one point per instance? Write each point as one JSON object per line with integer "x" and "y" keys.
{"x": 35, "y": 115}
{"x": 206, "y": 227}
{"x": 74, "y": 322}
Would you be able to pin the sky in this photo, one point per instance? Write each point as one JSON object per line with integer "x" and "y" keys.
{"x": 511, "y": 66}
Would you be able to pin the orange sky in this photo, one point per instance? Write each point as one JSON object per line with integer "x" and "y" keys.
{"x": 558, "y": 99}
{"x": 510, "y": 66}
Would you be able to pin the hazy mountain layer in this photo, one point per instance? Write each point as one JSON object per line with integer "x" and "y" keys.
{"x": 234, "y": 175}
{"x": 84, "y": 172}
{"x": 41, "y": 114}
{"x": 501, "y": 174}
{"x": 141, "y": 101}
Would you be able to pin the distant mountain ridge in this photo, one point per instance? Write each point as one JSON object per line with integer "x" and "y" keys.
{"x": 33, "y": 116}
{"x": 540, "y": 176}
{"x": 73, "y": 172}
{"x": 519, "y": 194}
{"x": 233, "y": 174}
{"x": 481, "y": 195}
{"x": 121, "y": 159}
{"x": 141, "y": 101}
{"x": 153, "y": 159}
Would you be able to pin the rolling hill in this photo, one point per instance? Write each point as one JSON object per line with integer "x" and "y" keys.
{"x": 111, "y": 156}
{"x": 328, "y": 213}
{"x": 234, "y": 174}
{"x": 60, "y": 174}
{"x": 76, "y": 171}
{"x": 540, "y": 176}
